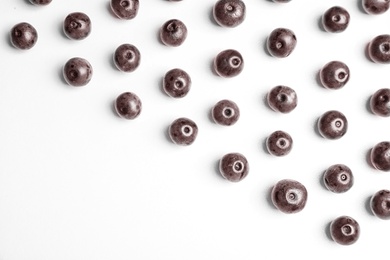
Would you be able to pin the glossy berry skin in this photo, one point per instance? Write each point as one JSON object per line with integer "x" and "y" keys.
{"x": 332, "y": 125}
{"x": 77, "y": 26}
{"x": 23, "y": 36}
{"x": 127, "y": 57}
{"x": 229, "y": 13}
{"x": 335, "y": 19}
{"x": 380, "y": 204}
{"x": 183, "y": 131}
{"x": 173, "y": 33}
{"x": 128, "y": 105}
{"x": 380, "y": 156}
{"x": 338, "y": 178}
{"x": 289, "y": 196}
{"x": 279, "y": 143}
{"x": 281, "y": 42}
{"x": 380, "y": 102}
{"x": 334, "y": 75}
{"x": 40, "y": 2}
{"x": 344, "y": 230}
{"x": 177, "y": 83}
{"x": 228, "y": 63}
{"x": 379, "y": 49}
{"x": 125, "y": 9}
{"x": 234, "y": 167}
{"x": 225, "y": 112}
{"x": 77, "y": 72}
{"x": 282, "y": 99}
{"x": 375, "y": 7}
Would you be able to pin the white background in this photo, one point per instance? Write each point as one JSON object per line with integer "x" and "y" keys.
{"x": 78, "y": 182}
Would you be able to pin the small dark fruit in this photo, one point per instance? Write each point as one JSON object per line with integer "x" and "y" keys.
{"x": 77, "y": 72}
{"x": 234, "y": 167}
{"x": 229, "y": 13}
{"x": 23, "y": 36}
{"x": 177, "y": 83}
{"x": 127, "y": 57}
{"x": 125, "y": 9}
{"x": 380, "y": 102}
{"x": 332, "y": 124}
{"x": 335, "y": 19}
{"x": 375, "y": 6}
{"x": 281, "y": 42}
{"x": 380, "y": 204}
{"x": 344, "y": 230}
{"x": 282, "y": 99}
{"x": 225, "y": 112}
{"x": 77, "y": 26}
{"x": 40, "y": 2}
{"x": 289, "y": 196}
{"x": 338, "y": 178}
{"x": 380, "y": 156}
{"x": 183, "y": 131}
{"x": 228, "y": 63}
{"x": 173, "y": 33}
{"x": 379, "y": 49}
{"x": 334, "y": 75}
{"x": 128, "y": 105}
{"x": 279, "y": 143}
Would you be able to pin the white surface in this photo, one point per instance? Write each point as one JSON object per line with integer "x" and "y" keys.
{"x": 78, "y": 182}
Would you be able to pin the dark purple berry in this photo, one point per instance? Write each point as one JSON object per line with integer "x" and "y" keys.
{"x": 338, "y": 178}
{"x": 229, "y": 13}
{"x": 127, "y": 57}
{"x": 40, "y": 2}
{"x": 234, "y": 167}
{"x": 334, "y": 75}
{"x": 344, "y": 230}
{"x": 23, "y": 36}
{"x": 289, "y": 196}
{"x": 376, "y": 6}
{"x": 128, "y": 105}
{"x": 282, "y": 99}
{"x": 332, "y": 125}
{"x": 77, "y": 26}
{"x": 279, "y": 143}
{"x": 77, "y": 72}
{"x": 379, "y": 49}
{"x": 281, "y": 42}
{"x": 380, "y": 204}
{"x": 125, "y": 9}
{"x": 335, "y": 19}
{"x": 173, "y": 33}
{"x": 183, "y": 131}
{"x": 228, "y": 63}
{"x": 225, "y": 112}
{"x": 380, "y": 102}
{"x": 176, "y": 83}
{"x": 380, "y": 156}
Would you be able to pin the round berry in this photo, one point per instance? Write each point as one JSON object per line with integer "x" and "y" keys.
{"x": 125, "y": 9}
{"x": 376, "y": 6}
{"x": 228, "y": 63}
{"x": 379, "y": 49}
{"x": 380, "y": 204}
{"x": 225, "y": 112}
{"x": 229, "y": 13}
{"x": 173, "y": 33}
{"x": 338, "y": 178}
{"x": 282, "y": 99}
{"x": 281, "y": 42}
{"x": 177, "y": 83}
{"x": 23, "y": 36}
{"x": 332, "y": 125}
{"x": 128, "y": 105}
{"x": 335, "y": 19}
{"x": 77, "y": 26}
{"x": 183, "y": 131}
{"x": 279, "y": 143}
{"x": 77, "y": 72}
{"x": 380, "y": 156}
{"x": 380, "y": 102}
{"x": 334, "y": 75}
{"x": 234, "y": 167}
{"x": 344, "y": 230}
{"x": 40, "y": 2}
{"x": 289, "y": 196}
{"x": 127, "y": 57}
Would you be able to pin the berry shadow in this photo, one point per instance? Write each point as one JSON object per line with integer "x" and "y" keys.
{"x": 269, "y": 199}
{"x": 318, "y": 78}
{"x": 7, "y": 39}
{"x": 315, "y": 127}
{"x": 113, "y": 110}
{"x": 61, "y": 75}
{"x": 368, "y": 158}
{"x": 265, "y": 47}
{"x": 321, "y": 180}
{"x": 320, "y": 24}
{"x": 327, "y": 231}
{"x": 61, "y": 30}
{"x": 264, "y": 145}
{"x": 359, "y": 5}
{"x": 211, "y": 16}
{"x": 212, "y": 68}
{"x": 111, "y": 61}
{"x": 366, "y": 53}
{"x": 367, "y": 206}
{"x": 217, "y": 171}
{"x": 368, "y": 105}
